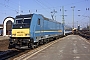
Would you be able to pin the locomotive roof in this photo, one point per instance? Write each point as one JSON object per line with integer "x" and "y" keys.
{"x": 30, "y": 15}
{"x": 24, "y": 16}
{"x": 48, "y": 19}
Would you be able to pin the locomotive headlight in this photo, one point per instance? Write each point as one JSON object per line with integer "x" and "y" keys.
{"x": 13, "y": 34}
{"x": 27, "y": 34}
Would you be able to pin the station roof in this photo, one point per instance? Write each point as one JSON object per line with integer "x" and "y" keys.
{"x": 1, "y": 26}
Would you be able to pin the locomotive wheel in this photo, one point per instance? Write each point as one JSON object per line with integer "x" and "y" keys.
{"x": 47, "y": 40}
{"x": 37, "y": 44}
{"x": 41, "y": 42}
{"x": 9, "y": 47}
{"x": 44, "y": 41}
{"x": 31, "y": 45}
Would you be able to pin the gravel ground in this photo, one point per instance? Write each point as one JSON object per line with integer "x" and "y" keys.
{"x": 4, "y": 45}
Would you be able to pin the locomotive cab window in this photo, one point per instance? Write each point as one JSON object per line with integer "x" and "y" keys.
{"x": 22, "y": 23}
{"x": 38, "y": 21}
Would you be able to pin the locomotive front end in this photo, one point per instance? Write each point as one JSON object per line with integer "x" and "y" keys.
{"x": 20, "y": 37}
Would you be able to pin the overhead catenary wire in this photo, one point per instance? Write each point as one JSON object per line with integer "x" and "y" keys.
{"x": 43, "y": 4}
{"x": 40, "y": 5}
{"x": 8, "y": 7}
{"x": 39, "y": 2}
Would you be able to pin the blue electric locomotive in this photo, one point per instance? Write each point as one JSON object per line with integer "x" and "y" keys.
{"x": 31, "y": 30}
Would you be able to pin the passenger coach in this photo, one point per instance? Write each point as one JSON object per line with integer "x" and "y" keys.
{"x": 33, "y": 29}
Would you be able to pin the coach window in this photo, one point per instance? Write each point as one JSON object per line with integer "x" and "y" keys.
{"x": 38, "y": 21}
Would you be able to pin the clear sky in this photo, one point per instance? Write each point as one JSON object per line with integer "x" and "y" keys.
{"x": 44, "y": 7}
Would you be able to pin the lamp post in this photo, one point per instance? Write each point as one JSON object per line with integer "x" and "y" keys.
{"x": 73, "y": 16}
{"x": 88, "y": 17}
{"x": 63, "y": 21}
{"x": 89, "y": 22}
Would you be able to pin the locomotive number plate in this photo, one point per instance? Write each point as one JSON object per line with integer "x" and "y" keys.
{"x": 19, "y": 34}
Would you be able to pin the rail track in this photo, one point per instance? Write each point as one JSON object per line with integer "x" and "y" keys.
{"x": 7, "y": 54}
{"x": 14, "y": 54}
{"x": 85, "y": 34}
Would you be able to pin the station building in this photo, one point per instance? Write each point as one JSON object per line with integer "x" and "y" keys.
{"x": 5, "y": 28}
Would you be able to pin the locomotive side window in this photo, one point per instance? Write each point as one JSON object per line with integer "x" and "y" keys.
{"x": 38, "y": 21}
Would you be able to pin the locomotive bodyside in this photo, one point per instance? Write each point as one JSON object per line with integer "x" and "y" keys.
{"x": 33, "y": 29}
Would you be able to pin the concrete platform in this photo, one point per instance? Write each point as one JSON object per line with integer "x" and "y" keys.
{"x": 72, "y": 47}
{"x": 4, "y": 37}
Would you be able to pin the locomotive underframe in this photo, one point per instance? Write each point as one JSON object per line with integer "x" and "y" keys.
{"x": 27, "y": 42}
{"x": 20, "y": 42}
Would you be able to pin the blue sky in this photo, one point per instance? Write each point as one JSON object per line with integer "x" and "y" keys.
{"x": 44, "y": 7}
